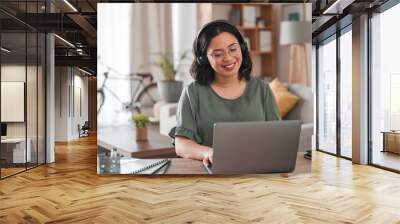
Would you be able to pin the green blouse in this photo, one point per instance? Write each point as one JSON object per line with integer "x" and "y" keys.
{"x": 200, "y": 107}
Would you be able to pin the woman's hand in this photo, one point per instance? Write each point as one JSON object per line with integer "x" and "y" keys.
{"x": 208, "y": 157}
{"x": 189, "y": 149}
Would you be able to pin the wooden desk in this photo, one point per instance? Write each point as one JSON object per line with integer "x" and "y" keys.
{"x": 123, "y": 138}
{"x": 188, "y": 166}
{"x": 391, "y": 141}
{"x": 158, "y": 146}
{"x": 13, "y": 150}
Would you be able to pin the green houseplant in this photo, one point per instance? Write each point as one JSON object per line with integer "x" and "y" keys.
{"x": 141, "y": 120}
{"x": 169, "y": 88}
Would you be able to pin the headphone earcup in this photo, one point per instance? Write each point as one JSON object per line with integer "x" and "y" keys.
{"x": 199, "y": 59}
{"x": 196, "y": 51}
{"x": 243, "y": 46}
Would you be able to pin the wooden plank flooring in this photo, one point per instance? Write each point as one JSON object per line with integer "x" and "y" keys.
{"x": 10, "y": 171}
{"x": 70, "y": 191}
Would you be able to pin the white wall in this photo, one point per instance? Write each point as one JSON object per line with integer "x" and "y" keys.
{"x": 33, "y": 125}
{"x": 79, "y": 117}
{"x": 11, "y": 73}
{"x": 61, "y": 103}
{"x": 68, "y": 82}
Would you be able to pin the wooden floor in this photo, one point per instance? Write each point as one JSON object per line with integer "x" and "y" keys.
{"x": 70, "y": 191}
{"x": 10, "y": 171}
{"x": 5, "y": 172}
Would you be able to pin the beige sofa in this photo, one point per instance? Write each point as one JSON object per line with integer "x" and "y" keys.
{"x": 304, "y": 111}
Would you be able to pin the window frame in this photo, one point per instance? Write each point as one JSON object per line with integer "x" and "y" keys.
{"x": 334, "y": 37}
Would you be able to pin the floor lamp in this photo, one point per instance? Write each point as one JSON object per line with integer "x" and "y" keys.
{"x": 296, "y": 34}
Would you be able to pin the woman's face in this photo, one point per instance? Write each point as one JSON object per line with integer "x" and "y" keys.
{"x": 225, "y": 55}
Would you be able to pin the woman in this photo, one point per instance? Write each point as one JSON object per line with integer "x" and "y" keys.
{"x": 223, "y": 91}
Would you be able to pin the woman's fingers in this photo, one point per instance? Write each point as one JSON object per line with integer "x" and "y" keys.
{"x": 210, "y": 156}
{"x": 206, "y": 161}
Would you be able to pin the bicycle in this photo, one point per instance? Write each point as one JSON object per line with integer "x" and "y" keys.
{"x": 143, "y": 97}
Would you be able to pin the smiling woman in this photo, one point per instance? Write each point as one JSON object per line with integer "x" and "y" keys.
{"x": 223, "y": 91}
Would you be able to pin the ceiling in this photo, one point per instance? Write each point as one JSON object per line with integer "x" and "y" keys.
{"x": 330, "y": 16}
{"x": 76, "y": 22}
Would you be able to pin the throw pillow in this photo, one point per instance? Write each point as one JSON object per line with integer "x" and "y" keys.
{"x": 286, "y": 100}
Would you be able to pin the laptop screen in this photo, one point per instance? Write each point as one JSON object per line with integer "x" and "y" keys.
{"x": 3, "y": 129}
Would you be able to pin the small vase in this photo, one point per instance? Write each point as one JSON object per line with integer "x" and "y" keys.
{"x": 141, "y": 134}
{"x": 170, "y": 91}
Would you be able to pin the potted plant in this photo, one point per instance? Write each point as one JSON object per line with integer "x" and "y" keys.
{"x": 141, "y": 120}
{"x": 169, "y": 88}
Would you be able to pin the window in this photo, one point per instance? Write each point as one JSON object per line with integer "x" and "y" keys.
{"x": 327, "y": 96}
{"x": 346, "y": 93}
{"x": 334, "y": 106}
{"x": 385, "y": 88}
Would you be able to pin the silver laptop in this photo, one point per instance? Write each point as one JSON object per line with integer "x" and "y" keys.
{"x": 255, "y": 147}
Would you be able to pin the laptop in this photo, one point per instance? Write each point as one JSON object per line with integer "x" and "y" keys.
{"x": 255, "y": 147}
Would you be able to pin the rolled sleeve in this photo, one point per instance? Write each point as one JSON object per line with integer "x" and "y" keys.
{"x": 186, "y": 125}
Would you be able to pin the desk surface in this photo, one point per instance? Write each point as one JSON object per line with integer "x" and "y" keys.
{"x": 391, "y": 132}
{"x": 123, "y": 138}
{"x": 188, "y": 166}
{"x": 182, "y": 166}
{"x": 14, "y": 140}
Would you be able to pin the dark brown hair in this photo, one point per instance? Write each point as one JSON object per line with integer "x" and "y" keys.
{"x": 201, "y": 69}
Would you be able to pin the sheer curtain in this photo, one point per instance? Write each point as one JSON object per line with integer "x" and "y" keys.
{"x": 114, "y": 57}
{"x": 130, "y": 37}
{"x": 185, "y": 28}
{"x": 151, "y": 35}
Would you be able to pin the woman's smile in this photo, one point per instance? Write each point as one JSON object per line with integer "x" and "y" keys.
{"x": 229, "y": 66}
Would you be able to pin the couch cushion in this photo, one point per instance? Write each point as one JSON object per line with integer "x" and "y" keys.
{"x": 304, "y": 110}
{"x": 286, "y": 100}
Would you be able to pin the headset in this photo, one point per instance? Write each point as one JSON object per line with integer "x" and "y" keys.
{"x": 200, "y": 59}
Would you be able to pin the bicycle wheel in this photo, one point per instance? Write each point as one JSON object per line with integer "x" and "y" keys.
{"x": 147, "y": 98}
{"x": 100, "y": 100}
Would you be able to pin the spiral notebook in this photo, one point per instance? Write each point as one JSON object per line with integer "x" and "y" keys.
{"x": 157, "y": 169}
{"x": 141, "y": 166}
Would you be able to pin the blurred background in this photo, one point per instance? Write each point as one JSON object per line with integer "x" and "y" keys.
{"x": 135, "y": 38}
